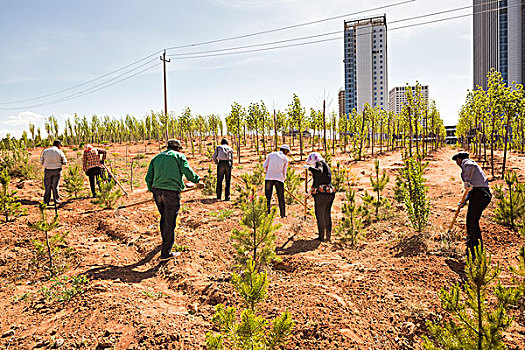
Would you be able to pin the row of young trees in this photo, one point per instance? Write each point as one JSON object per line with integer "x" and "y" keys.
{"x": 493, "y": 119}
{"x": 418, "y": 127}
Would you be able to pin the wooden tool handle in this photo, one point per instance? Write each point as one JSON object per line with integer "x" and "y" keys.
{"x": 457, "y": 211}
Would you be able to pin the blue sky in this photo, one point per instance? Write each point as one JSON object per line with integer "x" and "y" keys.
{"x": 51, "y": 45}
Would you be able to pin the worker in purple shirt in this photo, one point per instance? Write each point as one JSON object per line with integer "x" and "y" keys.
{"x": 479, "y": 197}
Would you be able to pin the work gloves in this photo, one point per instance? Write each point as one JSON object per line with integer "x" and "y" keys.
{"x": 461, "y": 204}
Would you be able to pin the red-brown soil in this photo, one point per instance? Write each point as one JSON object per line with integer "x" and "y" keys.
{"x": 376, "y": 296}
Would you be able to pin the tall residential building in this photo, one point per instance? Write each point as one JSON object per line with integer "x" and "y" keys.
{"x": 341, "y": 100}
{"x": 365, "y": 63}
{"x": 499, "y": 41}
{"x": 397, "y": 98}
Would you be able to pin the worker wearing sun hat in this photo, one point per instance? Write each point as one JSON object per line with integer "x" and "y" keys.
{"x": 276, "y": 165}
{"x": 479, "y": 197}
{"x": 164, "y": 179}
{"x": 92, "y": 165}
{"x": 323, "y": 193}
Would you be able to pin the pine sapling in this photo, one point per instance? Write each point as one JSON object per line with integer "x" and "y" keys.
{"x": 378, "y": 185}
{"x": 108, "y": 194}
{"x": 210, "y": 181}
{"x": 477, "y": 311}
{"x": 339, "y": 177}
{"x": 43, "y": 225}
{"x": 510, "y": 207}
{"x": 73, "y": 181}
{"x": 249, "y": 330}
{"x": 351, "y": 228}
{"x": 292, "y": 184}
{"x": 257, "y": 240}
{"x": 398, "y": 188}
{"x": 9, "y": 203}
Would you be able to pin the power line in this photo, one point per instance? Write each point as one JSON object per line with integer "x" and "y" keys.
{"x": 192, "y": 55}
{"x": 87, "y": 91}
{"x": 204, "y": 43}
{"x": 220, "y": 52}
{"x": 85, "y": 83}
{"x": 290, "y": 26}
{"x": 321, "y": 35}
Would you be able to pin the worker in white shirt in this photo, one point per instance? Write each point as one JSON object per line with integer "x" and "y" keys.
{"x": 52, "y": 159}
{"x": 275, "y": 166}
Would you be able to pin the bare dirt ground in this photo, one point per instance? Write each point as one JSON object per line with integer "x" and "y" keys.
{"x": 377, "y": 296}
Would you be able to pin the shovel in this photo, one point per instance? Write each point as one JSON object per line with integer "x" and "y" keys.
{"x": 457, "y": 212}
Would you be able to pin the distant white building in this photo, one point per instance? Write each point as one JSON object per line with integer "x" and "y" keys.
{"x": 397, "y": 98}
{"x": 365, "y": 63}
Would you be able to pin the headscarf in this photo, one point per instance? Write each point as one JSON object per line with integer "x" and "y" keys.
{"x": 313, "y": 158}
{"x": 88, "y": 147}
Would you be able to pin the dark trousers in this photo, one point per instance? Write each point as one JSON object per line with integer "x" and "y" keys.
{"x": 168, "y": 203}
{"x": 224, "y": 172}
{"x": 51, "y": 180}
{"x": 268, "y": 191}
{"x": 478, "y": 199}
{"x": 323, "y": 208}
{"x": 94, "y": 174}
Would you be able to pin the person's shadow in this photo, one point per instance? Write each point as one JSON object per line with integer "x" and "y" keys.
{"x": 299, "y": 246}
{"x": 126, "y": 273}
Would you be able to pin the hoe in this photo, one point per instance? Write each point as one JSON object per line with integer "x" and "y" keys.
{"x": 457, "y": 212}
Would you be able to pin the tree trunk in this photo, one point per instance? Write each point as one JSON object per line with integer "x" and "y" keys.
{"x": 507, "y": 127}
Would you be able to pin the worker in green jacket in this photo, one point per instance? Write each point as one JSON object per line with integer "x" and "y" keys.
{"x": 164, "y": 179}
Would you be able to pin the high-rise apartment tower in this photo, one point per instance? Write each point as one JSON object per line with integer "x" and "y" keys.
{"x": 365, "y": 63}
{"x": 499, "y": 41}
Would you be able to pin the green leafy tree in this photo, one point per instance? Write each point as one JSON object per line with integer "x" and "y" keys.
{"x": 256, "y": 242}
{"x": 478, "y": 316}
{"x": 74, "y": 181}
{"x": 9, "y": 203}
{"x": 415, "y": 191}
{"x": 510, "y": 207}
{"x": 297, "y": 117}
{"x": 249, "y": 331}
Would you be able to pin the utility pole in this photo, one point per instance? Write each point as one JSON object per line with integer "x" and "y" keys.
{"x": 164, "y": 60}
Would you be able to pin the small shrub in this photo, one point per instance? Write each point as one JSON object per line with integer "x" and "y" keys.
{"x": 222, "y": 215}
{"x": 65, "y": 288}
{"x": 139, "y": 156}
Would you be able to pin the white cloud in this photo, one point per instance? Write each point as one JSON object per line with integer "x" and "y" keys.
{"x": 23, "y": 118}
